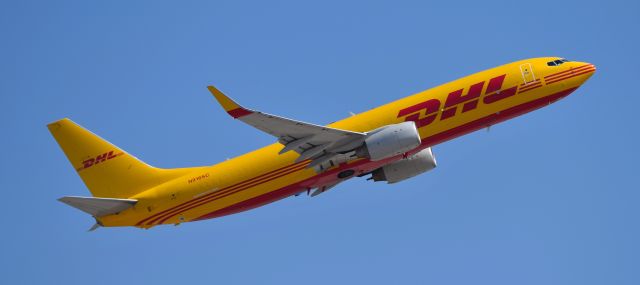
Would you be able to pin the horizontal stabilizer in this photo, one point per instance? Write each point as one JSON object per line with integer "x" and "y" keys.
{"x": 98, "y": 207}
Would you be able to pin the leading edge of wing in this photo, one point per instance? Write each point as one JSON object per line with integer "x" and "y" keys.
{"x": 237, "y": 111}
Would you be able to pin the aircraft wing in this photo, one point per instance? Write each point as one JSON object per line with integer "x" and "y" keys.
{"x": 323, "y": 145}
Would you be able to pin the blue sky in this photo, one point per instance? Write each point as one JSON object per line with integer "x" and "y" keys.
{"x": 547, "y": 198}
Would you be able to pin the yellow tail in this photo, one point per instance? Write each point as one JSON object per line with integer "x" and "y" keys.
{"x": 107, "y": 170}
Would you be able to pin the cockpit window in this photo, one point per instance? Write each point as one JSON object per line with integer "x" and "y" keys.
{"x": 557, "y": 62}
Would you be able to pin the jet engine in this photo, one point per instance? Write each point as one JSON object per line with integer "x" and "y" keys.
{"x": 411, "y": 166}
{"x": 390, "y": 141}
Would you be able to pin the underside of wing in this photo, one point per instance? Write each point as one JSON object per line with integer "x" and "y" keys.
{"x": 325, "y": 146}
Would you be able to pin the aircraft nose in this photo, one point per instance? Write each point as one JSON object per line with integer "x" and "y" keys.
{"x": 590, "y": 68}
{"x": 583, "y": 70}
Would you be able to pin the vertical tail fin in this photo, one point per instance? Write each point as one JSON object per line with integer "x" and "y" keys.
{"x": 107, "y": 170}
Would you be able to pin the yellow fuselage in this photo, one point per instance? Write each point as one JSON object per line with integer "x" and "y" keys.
{"x": 441, "y": 113}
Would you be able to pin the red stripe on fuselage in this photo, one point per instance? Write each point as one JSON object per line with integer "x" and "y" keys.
{"x": 562, "y": 73}
{"x": 558, "y": 79}
{"x": 227, "y": 193}
{"x": 275, "y": 195}
{"x": 239, "y": 184}
{"x": 530, "y": 87}
{"x": 530, "y": 83}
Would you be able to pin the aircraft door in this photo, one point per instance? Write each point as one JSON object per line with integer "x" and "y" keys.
{"x": 527, "y": 73}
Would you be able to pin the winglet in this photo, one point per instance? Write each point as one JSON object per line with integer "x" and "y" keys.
{"x": 230, "y": 106}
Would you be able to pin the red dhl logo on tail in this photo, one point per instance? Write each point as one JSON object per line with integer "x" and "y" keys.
{"x": 98, "y": 159}
{"x": 469, "y": 101}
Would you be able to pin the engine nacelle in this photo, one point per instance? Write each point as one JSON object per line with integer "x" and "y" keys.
{"x": 411, "y": 166}
{"x": 390, "y": 141}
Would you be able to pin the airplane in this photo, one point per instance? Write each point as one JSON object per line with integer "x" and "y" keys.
{"x": 390, "y": 143}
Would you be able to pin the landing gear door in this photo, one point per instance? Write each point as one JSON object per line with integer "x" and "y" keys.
{"x": 527, "y": 73}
